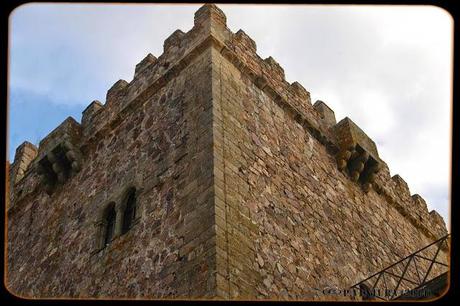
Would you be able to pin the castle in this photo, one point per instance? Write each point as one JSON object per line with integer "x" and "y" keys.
{"x": 207, "y": 176}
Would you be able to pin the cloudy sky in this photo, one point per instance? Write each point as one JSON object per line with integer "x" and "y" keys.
{"x": 388, "y": 68}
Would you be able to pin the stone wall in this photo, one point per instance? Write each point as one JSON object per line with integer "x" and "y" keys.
{"x": 244, "y": 188}
{"x": 289, "y": 220}
{"x": 162, "y": 147}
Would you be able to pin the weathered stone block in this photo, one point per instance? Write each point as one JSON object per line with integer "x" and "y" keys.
{"x": 357, "y": 153}
{"x": 325, "y": 112}
{"x": 146, "y": 62}
{"x": 173, "y": 40}
{"x": 420, "y": 204}
{"x": 116, "y": 92}
{"x": 402, "y": 188}
{"x": 348, "y": 135}
{"x": 245, "y": 40}
{"x": 25, "y": 154}
{"x": 301, "y": 92}
{"x": 90, "y": 111}
{"x": 438, "y": 222}
{"x": 68, "y": 129}
{"x": 210, "y": 13}
{"x": 278, "y": 71}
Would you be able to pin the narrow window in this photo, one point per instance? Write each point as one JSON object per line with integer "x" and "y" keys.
{"x": 110, "y": 224}
{"x": 130, "y": 211}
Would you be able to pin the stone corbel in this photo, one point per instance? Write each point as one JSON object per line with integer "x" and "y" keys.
{"x": 357, "y": 154}
{"x": 59, "y": 163}
{"x": 73, "y": 155}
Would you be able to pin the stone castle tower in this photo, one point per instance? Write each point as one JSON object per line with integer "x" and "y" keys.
{"x": 206, "y": 176}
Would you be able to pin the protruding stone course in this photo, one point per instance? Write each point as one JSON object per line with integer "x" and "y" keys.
{"x": 357, "y": 153}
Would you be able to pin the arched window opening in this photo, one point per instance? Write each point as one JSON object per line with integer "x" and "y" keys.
{"x": 110, "y": 220}
{"x": 130, "y": 211}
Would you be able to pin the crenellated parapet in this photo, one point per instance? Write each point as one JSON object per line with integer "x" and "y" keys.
{"x": 413, "y": 207}
{"x": 269, "y": 76}
{"x": 115, "y": 98}
{"x": 60, "y": 154}
{"x": 276, "y": 70}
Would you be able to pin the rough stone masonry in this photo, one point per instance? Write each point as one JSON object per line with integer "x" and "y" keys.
{"x": 206, "y": 176}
